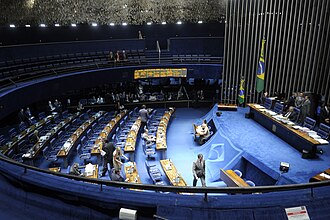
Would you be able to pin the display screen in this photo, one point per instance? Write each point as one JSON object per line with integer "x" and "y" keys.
{"x": 157, "y": 73}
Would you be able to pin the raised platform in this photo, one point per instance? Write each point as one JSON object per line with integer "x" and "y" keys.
{"x": 227, "y": 107}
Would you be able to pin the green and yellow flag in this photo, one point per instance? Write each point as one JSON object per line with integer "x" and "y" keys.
{"x": 261, "y": 69}
{"x": 241, "y": 92}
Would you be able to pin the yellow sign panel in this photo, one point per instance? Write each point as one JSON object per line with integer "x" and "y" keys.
{"x": 157, "y": 73}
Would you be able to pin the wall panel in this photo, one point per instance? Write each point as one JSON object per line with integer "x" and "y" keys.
{"x": 297, "y": 57}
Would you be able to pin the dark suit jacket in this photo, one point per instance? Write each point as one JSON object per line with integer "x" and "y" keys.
{"x": 108, "y": 149}
{"x": 324, "y": 114}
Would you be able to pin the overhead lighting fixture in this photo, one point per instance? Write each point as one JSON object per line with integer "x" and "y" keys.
{"x": 27, "y": 25}
{"x": 164, "y": 22}
{"x": 73, "y": 25}
{"x": 12, "y": 25}
{"x": 179, "y": 22}
{"x": 200, "y": 22}
{"x": 42, "y": 25}
{"x": 149, "y": 23}
{"x": 57, "y": 25}
{"x": 112, "y": 24}
{"x": 124, "y": 24}
{"x": 94, "y": 24}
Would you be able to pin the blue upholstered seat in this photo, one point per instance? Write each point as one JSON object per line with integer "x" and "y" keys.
{"x": 324, "y": 131}
{"x": 238, "y": 172}
{"x": 278, "y": 108}
{"x": 250, "y": 183}
{"x": 309, "y": 123}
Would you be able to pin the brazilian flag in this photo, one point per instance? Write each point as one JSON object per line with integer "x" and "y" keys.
{"x": 261, "y": 69}
{"x": 241, "y": 92}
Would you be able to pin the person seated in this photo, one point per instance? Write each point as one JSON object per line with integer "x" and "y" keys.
{"x": 149, "y": 139}
{"x": 80, "y": 107}
{"x": 291, "y": 114}
{"x": 325, "y": 114}
{"x": 115, "y": 176}
{"x": 74, "y": 170}
{"x": 203, "y": 132}
{"x": 35, "y": 137}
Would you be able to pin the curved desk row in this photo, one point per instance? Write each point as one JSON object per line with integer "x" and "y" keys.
{"x": 33, "y": 152}
{"x": 161, "y": 144}
{"x": 66, "y": 149}
{"x": 172, "y": 173}
{"x": 12, "y": 145}
{"x": 131, "y": 138}
{"x": 98, "y": 144}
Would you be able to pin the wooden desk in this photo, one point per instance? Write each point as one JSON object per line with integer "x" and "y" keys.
{"x": 24, "y": 134}
{"x": 232, "y": 179}
{"x": 131, "y": 138}
{"x": 33, "y": 152}
{"x": 67, "y": 147}
{"x": 161, "y": 143}
{"x": 98, "y": 144}
{"x": 131, "y": 172}
{"x": 227, "y": 107}
{"x": 55, "y": 169}
{"x": 298, "y": 139}
{"x": 172, "y": 174}
{"x": 323, "y": 176}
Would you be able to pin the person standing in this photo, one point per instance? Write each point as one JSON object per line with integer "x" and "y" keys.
{"x": 325, "y": 114}
{"x": 117, "y": 154}
{"x": 107, "y": 156}
{"x": 305, "y": 109}
{"x": 198, "y": 170}
{"x": 144, "y": 115}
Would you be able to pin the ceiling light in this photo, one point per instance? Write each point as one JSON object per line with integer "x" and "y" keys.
{"x": 164, "y": 22}
{"x": 27, "y": 25}
{"x": 200, "y": 22}
{"x": 12, "y": 25}
{"x": 57, "y": 25}
{"x": 124, "y": 24}
{"x": 94, "y": 24}
{"x": 73, "y": 25}
{"x": 179, "y": 22}
{"x": 112, "y": 24}
{"x": 42, "y": 25}
{"x": 149, "y": 23}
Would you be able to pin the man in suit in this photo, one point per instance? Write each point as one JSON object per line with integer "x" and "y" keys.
{"x": 305, "y": 109}
{"x": 108, "y": 156}
{"x": 325, "y": 114}
{"x": 115, "y": 175}
{"x": 144, "y": 114}
{"x": 74, "y": 170}
{"x": 290, "y": 101}
{"x": 198, "y": 170}
{"x": 291, "y": 114}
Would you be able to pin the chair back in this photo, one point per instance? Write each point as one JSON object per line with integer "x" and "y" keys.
{"x": 324, "y": 131}
{"x": 278, "y": 108}
{"x": 250, "y": 183}
{"x": 268, "y": 103}
{"x": 238, "y": 172}
{"x": 309, "y": 123}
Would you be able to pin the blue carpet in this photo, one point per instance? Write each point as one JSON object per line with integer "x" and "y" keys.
{"x": 237, "y": 137}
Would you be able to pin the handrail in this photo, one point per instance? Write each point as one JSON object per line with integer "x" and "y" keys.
{"x": 177, "y": 189}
